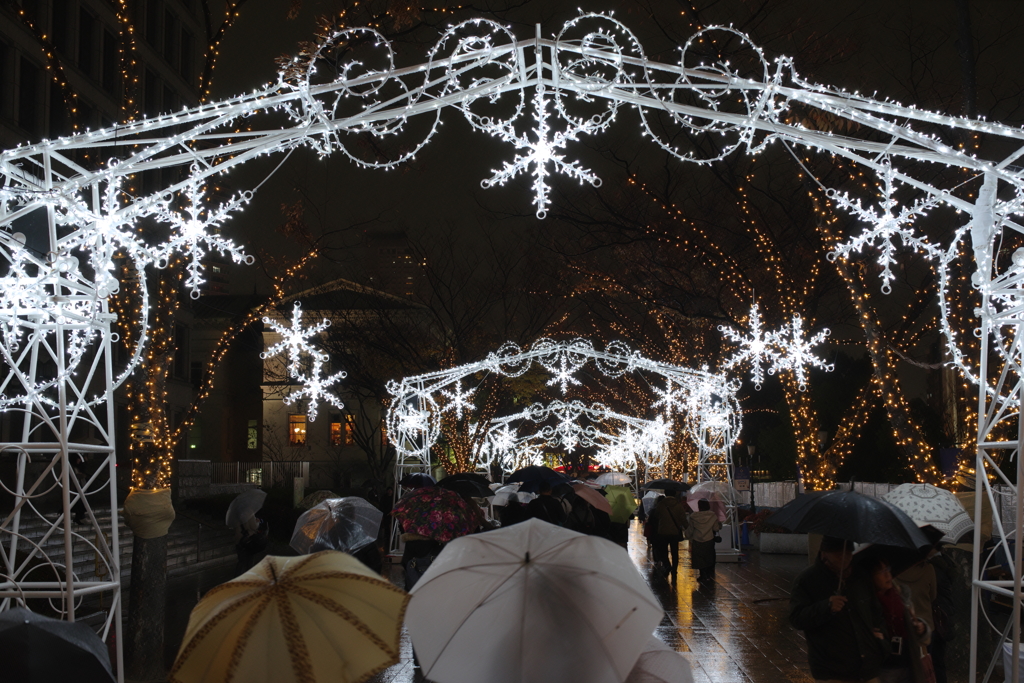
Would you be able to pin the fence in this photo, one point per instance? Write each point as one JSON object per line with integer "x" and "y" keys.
{"x": 775, "y": 494}
{"x": 266, "y": 474}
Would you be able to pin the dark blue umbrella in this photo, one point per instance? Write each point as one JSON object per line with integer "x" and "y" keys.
{"x": 417, "y": 480}
{"x": 468, "y": 484}
{"x": 533, "y": 475}
{"x": 667, "y": 485}
{"x": 851, "y": 516}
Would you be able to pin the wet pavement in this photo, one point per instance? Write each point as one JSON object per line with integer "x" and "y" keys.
{"x": 732, "y": 631}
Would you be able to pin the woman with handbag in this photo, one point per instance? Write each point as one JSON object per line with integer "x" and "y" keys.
{"x": 907, "y": 659}
{"x": 702, "y": 529}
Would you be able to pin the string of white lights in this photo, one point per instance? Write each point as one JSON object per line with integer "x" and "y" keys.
{"x": 706, "y": 400}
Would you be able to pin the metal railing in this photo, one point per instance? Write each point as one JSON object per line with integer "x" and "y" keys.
{"x": 266, "y": 474}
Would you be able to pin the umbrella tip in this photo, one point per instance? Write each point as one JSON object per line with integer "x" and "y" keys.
{"x": 527, "y": 560}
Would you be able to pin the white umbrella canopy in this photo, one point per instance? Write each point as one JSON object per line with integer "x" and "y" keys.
{"x": 660, "y": 664}
{"x": 927, "y": 504}
{"x": 531, "y": 603}
{"x": 614, "y": 479}
{"x": 707, "y": 488}
{"x": 245, "y": 505}
{"x": 509, "y": 493}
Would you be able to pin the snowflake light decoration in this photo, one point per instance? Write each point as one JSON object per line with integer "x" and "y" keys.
{"x": 296, "y": 341}
{"x": 620, "y": 441}
{"x": 541, "y": 153}
{"x": 796, "y": 351}
{"x": 314, "y": 388}
{"x": 195, "y": 232}
{"x": 754, "y": 348}
{"x": 890, "y": 220}
{"x": 785, "y": 349}
{"x": 706, "y": 401}
{"x": 458, "y": 400}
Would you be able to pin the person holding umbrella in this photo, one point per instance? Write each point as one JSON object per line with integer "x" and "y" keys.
{"x": 843, "y": 623}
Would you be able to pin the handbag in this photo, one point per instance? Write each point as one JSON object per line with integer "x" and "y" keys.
{"x": 649, "y": 527}
{"x": 718, "y": 539}
{"x": 416, "y": 568}
{"x": 927, "y": 667}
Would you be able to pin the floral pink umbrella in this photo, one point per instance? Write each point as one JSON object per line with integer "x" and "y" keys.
{"x": 437, "y": 513}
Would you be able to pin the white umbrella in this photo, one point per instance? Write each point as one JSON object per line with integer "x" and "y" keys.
{"x": 660, "y": 664}
{"x": 508, "y": 493}
{"x": 245, "y": 505}
{"x": 531, "y": 603}
{"x": 927, "y": 504}
{"x": 614, "y": 479}
{"x": 649, "y": 500}
{"x": 706, "y": 488}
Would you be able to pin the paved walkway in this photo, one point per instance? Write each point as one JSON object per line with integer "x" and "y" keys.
{"x": 732, "y": 631}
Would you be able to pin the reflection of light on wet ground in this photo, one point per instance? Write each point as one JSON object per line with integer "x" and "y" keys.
{"x": 734, "y": 630}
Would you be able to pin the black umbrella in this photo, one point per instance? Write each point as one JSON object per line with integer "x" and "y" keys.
{"x": 538, "y": 473}
{"x": 467, "y": 484}
{"x": 416, "y": 480}
{"x": 851, "y": 516}
{"x": 44, "y": 650}
{"x": 667, "y": 485}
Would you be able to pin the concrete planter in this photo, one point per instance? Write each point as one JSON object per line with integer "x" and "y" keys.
{"x": 783, "y": 544}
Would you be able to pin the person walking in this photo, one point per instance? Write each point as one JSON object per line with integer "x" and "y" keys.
{"x": 906, "y": 634}
{"x": 546, "y": 507}
{"x": 702, "y": 529}
{"x": 841, "y": 620}
{"x": 671, "y": 522}
{"x": 251, "y": 539}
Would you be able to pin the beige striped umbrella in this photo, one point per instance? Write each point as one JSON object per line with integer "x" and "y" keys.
{"x": 319, "y": 617}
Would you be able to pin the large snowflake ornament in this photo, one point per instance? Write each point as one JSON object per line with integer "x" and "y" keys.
{"x": 796, "y": 351}
{"x": 785, "y": 349}
{"x": 540, "y": 155}
{"x": 295, "y": 339}
{"x": 754, "y": 348}
{"x": 314, "y": 388}
{"x": 670, "y": 399}
{"x": 195, "y": 232}
{"x": 890, "y": 221}
{"x": 296, "y": 342}
{"x": 106, "y": 230}
{"x": 458, "y": 400}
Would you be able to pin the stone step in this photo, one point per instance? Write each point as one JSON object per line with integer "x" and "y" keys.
{"x": 216, "y": 544}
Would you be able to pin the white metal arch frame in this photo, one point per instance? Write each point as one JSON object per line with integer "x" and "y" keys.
{"x": 624, "y": 443}
{"x": 706, "y": 400}
{"x": 54, "y": 290}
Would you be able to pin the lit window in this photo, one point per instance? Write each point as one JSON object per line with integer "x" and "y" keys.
{"x": 296, "y": 430}
{"x": 252, "y": 436}
{"x": 336, "y": 430}
{"x": 350, "y": 430}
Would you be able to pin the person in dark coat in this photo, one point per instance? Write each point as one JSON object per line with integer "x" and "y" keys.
{"x": 546, "y": 507}
{"x": 947, "y": 575}
{"x": 843, "y": 623}
{"x": 251, "y": 541}
{"x": 671, "y": 517}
